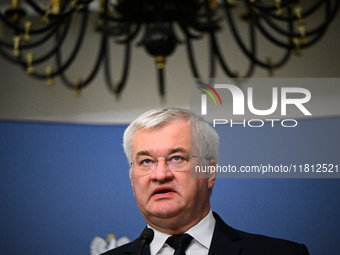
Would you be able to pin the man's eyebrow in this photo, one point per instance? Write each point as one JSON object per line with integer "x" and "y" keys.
{"x": 179, "y": 149}
{"x": 143, "y": 153}
{"x": 171, "y": 151}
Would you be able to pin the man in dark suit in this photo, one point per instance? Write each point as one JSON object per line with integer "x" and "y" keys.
{"x": 163, "y": 146}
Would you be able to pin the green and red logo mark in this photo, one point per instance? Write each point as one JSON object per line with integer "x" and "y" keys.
{"x": 209, "y": 93}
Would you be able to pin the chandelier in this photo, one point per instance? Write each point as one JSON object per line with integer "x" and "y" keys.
{"x": 159, "y": 26}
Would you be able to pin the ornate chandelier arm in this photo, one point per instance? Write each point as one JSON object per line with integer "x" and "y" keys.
{"x": 33, "y": 44}
{"x": 19, "y": 60}
{"x": 121, "y": 84}
{"x": 218, "y": 54}
{"x": 36, "y": 7}
{"x": 191, "y": 57}
{"x": 118, "y": 88}
{"x": 121, "y": 8}
{"x": 244, "y": 48}
{"x": 8, "y": 56}
{"x": 270, "y": 8}
{"x": 323, "y": 29}
{"x": 56, "y": 47}
{"x": 61, "y": 67}
{"x": 187, "y": 32}
{"x": 279, "y": 43}
{"x": 276, "y": 41}
{"x": 122, "y": 28}
{"x": 116, "y": 30}
{"x": 10, "y": 23}
{"x": 79, "y": 84}
{"x": 194, "y": 20}
{"x": 103, "y": 53}
{"x": 20, "y": 29}
{"x": 131, "y": 35}
{"x": 111, "y": 18}
{"x": 208, "y": 26}
{"x": 63, "y": 5}
{"x": 214, "y": 52}
{"x": 329, "y": 15}
{"x": 56, "y": 19}
{"x": 51, "y": 28}
{"x": 6, "y": 44}
{"x": 304, "y": 13}
{"x": 128, "y": 9}
{"x": 48, "y": 36}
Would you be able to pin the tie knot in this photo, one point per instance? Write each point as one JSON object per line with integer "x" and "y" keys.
{"x": 179, "y": 242}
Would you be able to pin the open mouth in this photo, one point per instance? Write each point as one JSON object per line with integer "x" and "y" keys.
{"x": 162, "y": 191}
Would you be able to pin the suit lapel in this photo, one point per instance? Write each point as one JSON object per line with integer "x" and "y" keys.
{"x": 225, "y": 239}
{"x": 134, "y": 247}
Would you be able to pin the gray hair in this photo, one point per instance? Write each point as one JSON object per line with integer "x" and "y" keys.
{"x": 206, "y": 138}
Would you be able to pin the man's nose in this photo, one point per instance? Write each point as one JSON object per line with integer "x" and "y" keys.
{"x": 162, "y": 171}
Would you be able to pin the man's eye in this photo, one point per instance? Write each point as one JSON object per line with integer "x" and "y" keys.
{"x": 146, "y": 161}
{"x": 176, "y": 158}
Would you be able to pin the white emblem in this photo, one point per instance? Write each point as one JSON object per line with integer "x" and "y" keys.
{"x": 99, "y": 245}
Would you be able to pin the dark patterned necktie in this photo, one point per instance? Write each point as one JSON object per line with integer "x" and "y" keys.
{"x": 179, "y": 242}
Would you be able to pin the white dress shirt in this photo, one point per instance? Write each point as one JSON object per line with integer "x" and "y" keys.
{"x": 202, "y": 233}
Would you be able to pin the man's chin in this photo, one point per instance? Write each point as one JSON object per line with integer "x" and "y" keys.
{"x": 165, "y": 211}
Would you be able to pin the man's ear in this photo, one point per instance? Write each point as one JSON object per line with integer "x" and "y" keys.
{"x": 212, "y": 175}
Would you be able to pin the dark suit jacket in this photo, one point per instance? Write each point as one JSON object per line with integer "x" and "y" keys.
{"x": 228, "y": 241}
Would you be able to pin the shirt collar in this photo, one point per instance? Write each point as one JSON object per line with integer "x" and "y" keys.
{"x": 202, "y": 232}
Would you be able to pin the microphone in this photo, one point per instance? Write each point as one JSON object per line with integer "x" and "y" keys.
{"x": 145, "y": 238}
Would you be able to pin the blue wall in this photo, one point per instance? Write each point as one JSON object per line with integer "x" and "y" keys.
{"x": 63, "y": 184}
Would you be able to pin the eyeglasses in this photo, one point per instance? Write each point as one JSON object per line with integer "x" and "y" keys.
{"x": 178, "y": 161}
